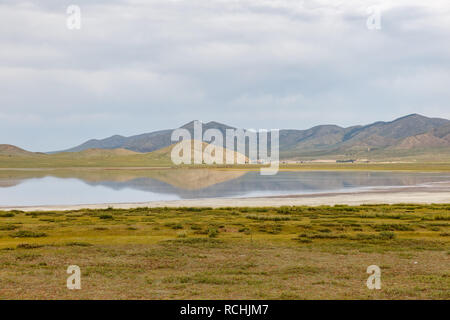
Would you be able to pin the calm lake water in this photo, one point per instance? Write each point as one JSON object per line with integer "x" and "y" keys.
{"x": 65, "y": 187}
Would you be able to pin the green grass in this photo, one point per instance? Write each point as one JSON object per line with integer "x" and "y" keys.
{"x": 228, "y": 253}
{"x": 68, "y": 160}
{"x": 161, "y": 158}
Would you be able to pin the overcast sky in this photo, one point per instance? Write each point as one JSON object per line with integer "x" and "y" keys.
{"x": 137, "y": 66}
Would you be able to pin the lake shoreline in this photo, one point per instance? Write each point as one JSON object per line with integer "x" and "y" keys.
{"x": 433, "y": 193}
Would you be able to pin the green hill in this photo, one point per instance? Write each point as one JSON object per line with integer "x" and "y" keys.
{"x": 402, "y": 137}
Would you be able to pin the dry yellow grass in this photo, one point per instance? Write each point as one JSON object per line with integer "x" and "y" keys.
{"x": 228, "y": 253}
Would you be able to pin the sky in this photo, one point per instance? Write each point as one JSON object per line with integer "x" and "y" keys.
{"x": 138, "y": 66}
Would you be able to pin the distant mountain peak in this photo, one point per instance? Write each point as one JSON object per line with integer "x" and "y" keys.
{"x": 415, "y": 115}
{"x": 207, "y": 125}
{"x": 411, "y": 116}
{"x": 322, "y": 139}
{"x": 191, "y": 124}
{"x": 213, "y": 123}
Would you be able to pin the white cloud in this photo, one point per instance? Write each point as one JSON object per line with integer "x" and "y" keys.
{"x": 252, "y": 63}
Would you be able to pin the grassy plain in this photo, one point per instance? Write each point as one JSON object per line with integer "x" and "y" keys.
{"x": 148, "y": 161}
{"x": 228, "y": 253}
{"x": 67, "y": 160}
{"x": 125, "y": 159}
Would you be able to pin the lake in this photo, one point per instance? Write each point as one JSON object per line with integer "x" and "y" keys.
{"x": 90, "y": 186}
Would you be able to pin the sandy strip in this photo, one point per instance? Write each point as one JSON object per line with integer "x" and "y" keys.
{"x": 418, "y": 195}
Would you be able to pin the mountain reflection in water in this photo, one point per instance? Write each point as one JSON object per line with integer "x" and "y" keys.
{"x": 33, "y": 187}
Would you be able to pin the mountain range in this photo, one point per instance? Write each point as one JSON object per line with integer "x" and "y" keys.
{"x": 413, "y": 136}
{"x": 405, "y": 135}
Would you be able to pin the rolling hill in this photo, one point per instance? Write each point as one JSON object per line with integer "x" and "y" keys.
{"x": 404, "y": 135}
{"x": 10, "y": 150}
{"x": 146, "y": 142}
{"x": 14, "y": 157}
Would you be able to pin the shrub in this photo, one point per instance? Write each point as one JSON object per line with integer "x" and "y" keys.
{"x": 213, "y": 233}
{"x": 386, "y": 235}
{"x": 268, "y": 218}
{"x": 284, "y": 210}
{"x": 271, "y": 228}
{"x": 174, "y": 226}
{"x": 27, "y": 234}
{"x": 8, "y": 227}
{"x": 78, "y": 244}
{"x": 6, "y": 215}
{"x": 392, "y": 227}
{"x": 29, "y": 246}
{"x": 303, "y": 240}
